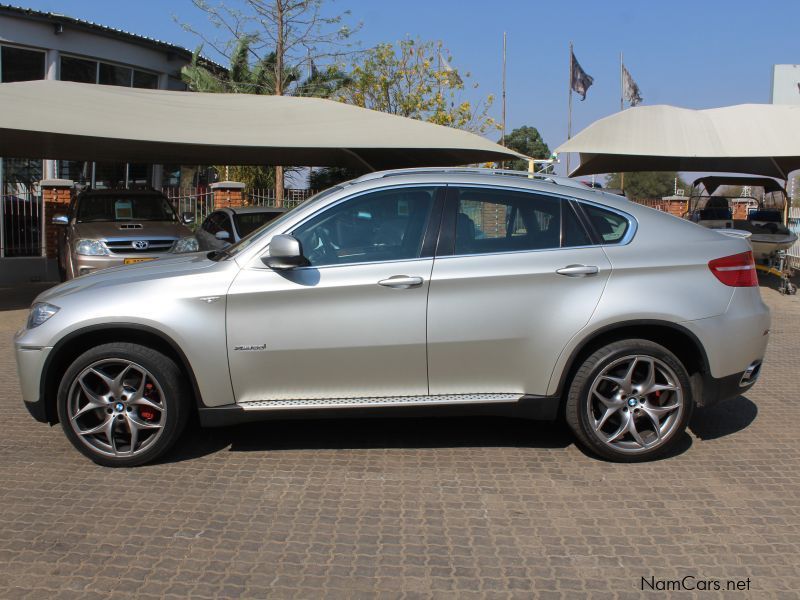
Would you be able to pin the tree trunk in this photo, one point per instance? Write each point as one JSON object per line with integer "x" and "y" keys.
{"x": 279, "y": 56}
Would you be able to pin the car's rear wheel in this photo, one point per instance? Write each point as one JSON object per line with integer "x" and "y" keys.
{"x": 123, "y": 404}
{"x": 630, "y": 401}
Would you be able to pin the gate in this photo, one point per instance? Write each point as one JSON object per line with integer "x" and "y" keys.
{"x": 21, "y": 227}
{"x": 198, "y": 202}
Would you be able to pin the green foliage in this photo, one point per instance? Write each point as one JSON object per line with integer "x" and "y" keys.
{"x": 647, "y": 184}
{"x": 526, "y": 140}
{"x": 410, "y": 80}
{"x": 322, "y": 179}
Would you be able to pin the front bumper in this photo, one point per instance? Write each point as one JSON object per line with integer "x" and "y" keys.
{"x": 30, "y": 363}
{"x": 84, "y": 265}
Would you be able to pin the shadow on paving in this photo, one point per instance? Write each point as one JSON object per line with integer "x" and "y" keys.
{"x": 341, "y": 434}
{"x": 21, "y": 296}
{"x": 724, "y": 419}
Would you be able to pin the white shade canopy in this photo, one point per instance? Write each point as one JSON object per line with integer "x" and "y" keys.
{"x": 760, "y": 139}
{"x": 75, "y": 121}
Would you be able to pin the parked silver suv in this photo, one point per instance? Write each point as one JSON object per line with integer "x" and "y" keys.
{"x": 433, "y": 290}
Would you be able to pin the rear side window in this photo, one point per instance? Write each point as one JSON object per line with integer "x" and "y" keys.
{"x": 492, "y": 220}
{"x": 610, "y": 226}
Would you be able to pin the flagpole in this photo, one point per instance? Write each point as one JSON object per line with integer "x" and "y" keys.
{"x": 621, "y": 84}
{"x": 569, "y": 112}
{"x": 503, "y": 136}
{"x": 621, "y": 107}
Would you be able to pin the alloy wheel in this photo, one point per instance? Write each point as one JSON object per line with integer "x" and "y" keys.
{"x": 116, "y": 407}
{"x": 635, "y": 404}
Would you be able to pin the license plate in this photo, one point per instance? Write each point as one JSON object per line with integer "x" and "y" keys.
{"x": 130, "y": 261}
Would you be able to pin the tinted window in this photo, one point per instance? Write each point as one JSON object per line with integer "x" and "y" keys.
{"x": 114, "y": 75}
{"x": 505, "y": 221}
{"x": 610, "y": 226}
{"x": 118, "y": 207}
{"x": 18, "y": 64}
{"x": 378, "y": 226}
{"x": 142, "y": 79}
{"x": 572, "y": 231}
{"x": 248, "y": 222}
{"x": 78, "y": 69}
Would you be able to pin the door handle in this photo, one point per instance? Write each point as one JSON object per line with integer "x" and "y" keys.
{"x": 578, "y": 270}
{"x": 401, "y": 282}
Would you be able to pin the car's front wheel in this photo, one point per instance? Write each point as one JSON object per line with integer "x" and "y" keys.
{"x": 123, "y": 404}
{"x": 630, "y": 401}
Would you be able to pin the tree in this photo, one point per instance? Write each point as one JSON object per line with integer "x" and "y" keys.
{"x": 526, "y": 140}
{"x": 283, "y": 38}
{"x": 414, "y": 79}
{"x": 647, "y": 184}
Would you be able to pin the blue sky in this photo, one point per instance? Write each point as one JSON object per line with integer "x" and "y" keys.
{"x": 697, "y": 54}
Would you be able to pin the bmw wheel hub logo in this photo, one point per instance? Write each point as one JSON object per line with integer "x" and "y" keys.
{"x": 631, "y": 401}
{"x": 119, "y": 406}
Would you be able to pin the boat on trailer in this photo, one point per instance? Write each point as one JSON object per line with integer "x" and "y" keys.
{"x": 762, "y": 202}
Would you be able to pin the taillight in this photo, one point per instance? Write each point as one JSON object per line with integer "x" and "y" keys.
{"x": 737, "y": 270}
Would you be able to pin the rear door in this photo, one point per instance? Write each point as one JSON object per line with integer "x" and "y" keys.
{"x": 515, "y": 277}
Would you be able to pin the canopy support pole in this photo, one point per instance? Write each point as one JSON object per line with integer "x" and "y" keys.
{"x": 359, "y": 159}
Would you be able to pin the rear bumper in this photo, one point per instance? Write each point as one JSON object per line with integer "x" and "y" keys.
{"x": 716, "y": 390}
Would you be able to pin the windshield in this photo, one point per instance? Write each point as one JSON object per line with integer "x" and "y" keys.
{"x": 254, "y": 236}
{"x": 124, "y": 207}
{"x": 247, "y": 223}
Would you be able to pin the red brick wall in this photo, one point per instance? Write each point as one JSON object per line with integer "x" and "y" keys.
{"x": 225, "y": 197}
{"x": 56, "y": 201}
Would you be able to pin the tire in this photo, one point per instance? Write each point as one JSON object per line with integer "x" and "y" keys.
{"x": 611, "y": 411}
{"x": 119, "y": 388}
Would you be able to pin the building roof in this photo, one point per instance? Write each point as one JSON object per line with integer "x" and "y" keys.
{"x": 57, "y": 18}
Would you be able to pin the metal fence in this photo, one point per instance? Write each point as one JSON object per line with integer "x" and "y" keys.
{"x": 198, "y": 202}
{"x": 794, "y": 225}
{"x": 266, "y": 197}
{"x": 21, "y": 228}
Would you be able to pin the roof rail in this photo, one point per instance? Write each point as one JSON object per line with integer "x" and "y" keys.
{"x": 547, "y": 177}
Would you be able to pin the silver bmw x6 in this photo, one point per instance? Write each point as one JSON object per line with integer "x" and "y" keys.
{"x": 402, "y": 292}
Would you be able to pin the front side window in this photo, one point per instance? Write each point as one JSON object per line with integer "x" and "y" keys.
{"x": 492, "y": 220}
{"x": 379, "y": 226}
{"x": 610, "y": 226}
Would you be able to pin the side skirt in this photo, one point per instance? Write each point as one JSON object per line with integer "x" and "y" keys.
{"x": 544, "y": 408}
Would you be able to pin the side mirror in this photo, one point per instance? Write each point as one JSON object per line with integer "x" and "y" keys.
{"x": 285, "y": 252}
{"x": 60, "y": 220}
{"x": 222, "y": 235}
{"x": 187, "y": 218}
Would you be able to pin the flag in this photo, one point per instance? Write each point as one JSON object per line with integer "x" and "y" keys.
{"x": 581, "y": 81}
{"x": 452, "y": 74}
{"x": 630, "y": 91}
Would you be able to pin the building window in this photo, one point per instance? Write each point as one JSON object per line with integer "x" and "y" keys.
{"x": 114, "y": 75}
{"x": 19, "y": 64}
{"x": 78, "y": 69}
{"x": 142, "y": 79}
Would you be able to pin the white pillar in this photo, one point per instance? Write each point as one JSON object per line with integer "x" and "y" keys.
{"x": 52, "y": 70}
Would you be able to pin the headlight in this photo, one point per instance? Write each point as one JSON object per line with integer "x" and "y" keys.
{"x": 40, "y": 312}
{"x": 186, "y": 244}
{"x": 90, "y": 248}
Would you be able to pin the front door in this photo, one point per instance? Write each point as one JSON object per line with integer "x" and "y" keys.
{"x": 518, "y": 280}
{"x": 350, "y": 325}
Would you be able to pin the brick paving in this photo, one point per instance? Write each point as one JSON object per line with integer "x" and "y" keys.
{"x": 451, "y": 508}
